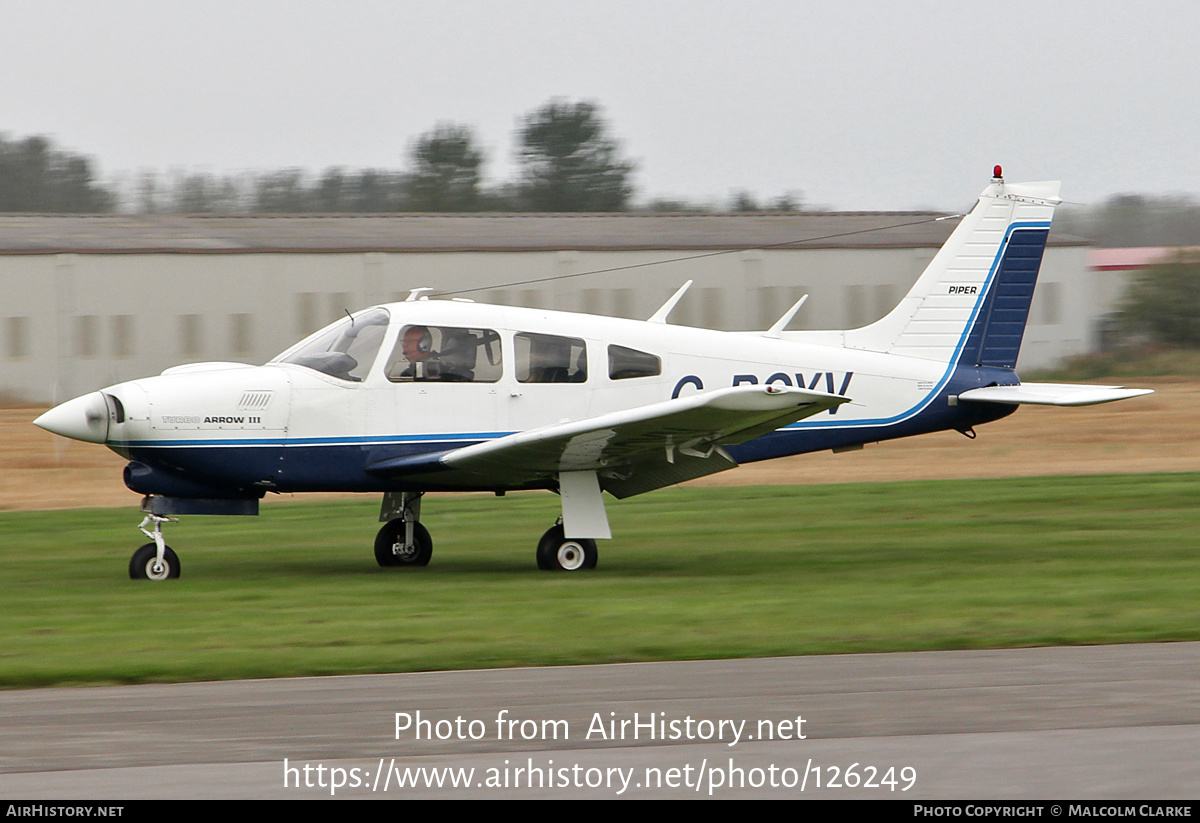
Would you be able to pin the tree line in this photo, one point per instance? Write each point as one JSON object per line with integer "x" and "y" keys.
{"x": 567, "y": 162}
{"x": 1161, "y": 306}
{"x": 1134, "y": 220}
{"x": 36, "y": 177}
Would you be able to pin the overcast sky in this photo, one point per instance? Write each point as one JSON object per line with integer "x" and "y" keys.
{"x": 858, "y": 105}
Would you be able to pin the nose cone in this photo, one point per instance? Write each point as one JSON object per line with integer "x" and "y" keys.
{"x": 84, "y": 418}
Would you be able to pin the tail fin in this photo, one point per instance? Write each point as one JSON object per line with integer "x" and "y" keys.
{"x": 971, "y": 303}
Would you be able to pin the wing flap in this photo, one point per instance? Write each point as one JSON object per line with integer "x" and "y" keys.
{"x": 1051, "y": 394}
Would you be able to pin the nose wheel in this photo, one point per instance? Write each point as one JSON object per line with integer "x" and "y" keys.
{"x": 145, "y": 565}
{"x": 157, "y": 560}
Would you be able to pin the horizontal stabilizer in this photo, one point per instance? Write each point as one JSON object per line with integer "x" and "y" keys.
{"x": 1051, "y": 394}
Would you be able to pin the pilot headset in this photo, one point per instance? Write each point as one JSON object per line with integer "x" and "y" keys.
{"x": 425, "y": 344}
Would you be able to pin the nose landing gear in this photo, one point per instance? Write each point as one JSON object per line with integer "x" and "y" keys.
{"x": 157, "y": 560}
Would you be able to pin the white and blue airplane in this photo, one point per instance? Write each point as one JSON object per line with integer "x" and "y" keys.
{"x": 449, "y": 395}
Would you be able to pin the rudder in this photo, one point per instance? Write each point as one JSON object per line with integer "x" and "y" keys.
{"x": 995, "y": 338}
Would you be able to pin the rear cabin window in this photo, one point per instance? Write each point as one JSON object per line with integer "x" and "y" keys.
{"x": 445, "y": 354}
{"x": 548, "y": 358}
{"x": 624, "y": 363}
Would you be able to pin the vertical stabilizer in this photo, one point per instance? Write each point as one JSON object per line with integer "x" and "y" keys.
{"x": 972, "y": 301}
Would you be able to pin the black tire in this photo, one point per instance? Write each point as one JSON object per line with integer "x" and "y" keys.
{"x": 555, "y": 552}
{"x": 392, "y": 534}
{"x": 142, "y": 565}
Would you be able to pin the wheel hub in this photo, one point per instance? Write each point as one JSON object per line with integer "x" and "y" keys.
{"x": 570, "y": 556}
{"x": 404, "y": 552}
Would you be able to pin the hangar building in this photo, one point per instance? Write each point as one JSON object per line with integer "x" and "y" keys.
{"x": 88, "y": 301}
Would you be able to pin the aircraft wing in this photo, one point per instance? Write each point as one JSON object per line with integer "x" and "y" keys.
{"x": 1051, "y": 394}
{"x": 635, "y": 450}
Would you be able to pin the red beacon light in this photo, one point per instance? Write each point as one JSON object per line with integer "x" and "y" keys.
{"x": 997, "y": 173}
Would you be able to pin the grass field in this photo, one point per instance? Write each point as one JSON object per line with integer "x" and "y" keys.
{"x": 695, "y": 573}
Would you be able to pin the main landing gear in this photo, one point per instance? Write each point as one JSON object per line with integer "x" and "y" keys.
{"x": 402, "y": 541}
{"x": 556, "y": 552}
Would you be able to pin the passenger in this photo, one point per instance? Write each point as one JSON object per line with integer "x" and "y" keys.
{"x": 458, "y": 356}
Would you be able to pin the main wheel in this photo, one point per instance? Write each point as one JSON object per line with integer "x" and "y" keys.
{"x": 555, "y": 552}
{"x": 144, "y": 564}
{"x": 390, "y": 550}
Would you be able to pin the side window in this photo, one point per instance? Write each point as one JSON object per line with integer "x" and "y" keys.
{"x": 624, "y": 363}
{"x": 445, "y": 354}
{"x": 547, "y": 358}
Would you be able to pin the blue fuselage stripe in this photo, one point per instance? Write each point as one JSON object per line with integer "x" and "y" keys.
{"x": 383, "y": 439}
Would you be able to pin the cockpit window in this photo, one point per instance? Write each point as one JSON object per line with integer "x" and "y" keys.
{"x": 548, "y": 358}
{"x": 344, "y": 350}
{"x": 625, "y": 362}
{"x": 446, "y": 354}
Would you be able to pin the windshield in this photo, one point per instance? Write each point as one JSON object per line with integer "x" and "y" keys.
{"x": 344, "y": 350}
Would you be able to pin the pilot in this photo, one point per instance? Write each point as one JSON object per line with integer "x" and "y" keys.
{"x": 417, "y": 348}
